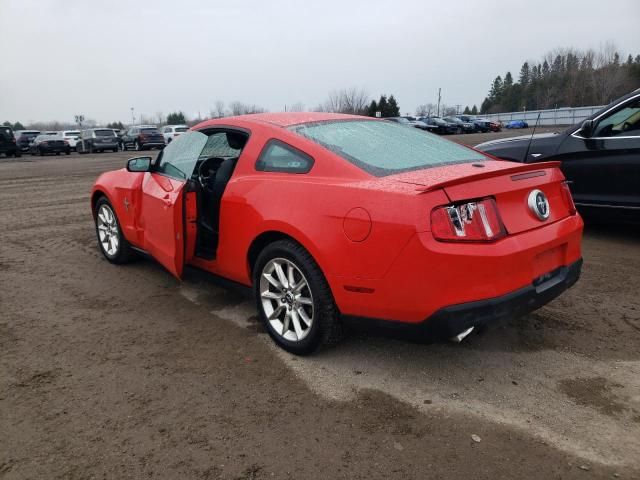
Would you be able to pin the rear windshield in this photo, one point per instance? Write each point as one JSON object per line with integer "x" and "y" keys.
{"x": 384, "y": 148}
{"x": 181, "y": 129}
{"x": 30, "y": 134}
{"x": 149, "y": 131}
{"x": 72, "y": 133}
{"x": 104, "y": 133}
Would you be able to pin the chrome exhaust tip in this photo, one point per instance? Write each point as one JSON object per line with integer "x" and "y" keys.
{"x": 462, "y": 335}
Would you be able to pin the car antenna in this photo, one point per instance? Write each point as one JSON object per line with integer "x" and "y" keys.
{"x": 526, "y": 153}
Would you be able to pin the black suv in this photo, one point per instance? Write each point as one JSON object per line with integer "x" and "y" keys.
{"x": 142, "y": 138}
{"x": 600, "y": 157}
{"x": 8, "y": 143}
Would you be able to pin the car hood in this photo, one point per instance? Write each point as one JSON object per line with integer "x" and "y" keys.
{"x": 511, "y": 140}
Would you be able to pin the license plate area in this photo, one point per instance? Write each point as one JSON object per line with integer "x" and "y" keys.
{"x": 549, "y": 261}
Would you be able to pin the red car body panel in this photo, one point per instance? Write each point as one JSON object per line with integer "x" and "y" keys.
{"x": 370, "y": 236}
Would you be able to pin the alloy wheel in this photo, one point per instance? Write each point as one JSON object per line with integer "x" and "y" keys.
{"x": 286, "y": 299}
{"x": 108, "y": 231}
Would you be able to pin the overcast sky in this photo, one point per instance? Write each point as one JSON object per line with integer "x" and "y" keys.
{"x": 100, "y": 58}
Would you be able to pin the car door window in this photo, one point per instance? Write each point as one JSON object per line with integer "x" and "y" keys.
{"x": 179, "y": 158}
{"x": 621, "y": 123}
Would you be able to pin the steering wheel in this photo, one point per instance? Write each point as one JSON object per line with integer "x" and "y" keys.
{"x": 207, "y": 171}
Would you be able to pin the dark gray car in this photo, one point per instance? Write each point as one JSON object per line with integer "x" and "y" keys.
{"x": 97, "y": 140}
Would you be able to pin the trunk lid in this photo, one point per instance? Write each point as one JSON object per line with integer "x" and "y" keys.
{"x": 509, "y": 183}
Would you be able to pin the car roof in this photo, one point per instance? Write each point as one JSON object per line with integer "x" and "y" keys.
{"x": 282, "y": 119}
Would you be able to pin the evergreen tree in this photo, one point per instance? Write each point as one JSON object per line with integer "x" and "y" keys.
{"x": 496, "y": 88}
{"x": 373, "y": 108}
{"x": 176, "y": 118}
{"x": 629, "y": 60}
{"x": 545, "y": 70}
{"x": 394, "y": 109}
{"x": 383, "y": 106}
{"x": 525, "y": 74}
{"x": 6, "y": 124}
{"x": 508, "y": 80}
{"x": 18, "y": 126}
{"x": 466, "y": 110}
{"x": 474, "y": 110}
{"x": 637, "y": 58}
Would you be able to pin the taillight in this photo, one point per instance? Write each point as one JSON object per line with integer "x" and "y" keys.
{"x": 65, "y": 142}
{"x": 568, "y": 198}
{"x": 477, "y": 221}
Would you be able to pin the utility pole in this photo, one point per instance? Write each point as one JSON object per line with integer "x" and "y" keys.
{"x": 133, "y": 118}
{"x": 458, "y": 109}
{"x": 439, "y": 98}
{"x": 79, "y": 120}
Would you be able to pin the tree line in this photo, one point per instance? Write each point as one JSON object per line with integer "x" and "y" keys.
{"x": 565, "y": 78}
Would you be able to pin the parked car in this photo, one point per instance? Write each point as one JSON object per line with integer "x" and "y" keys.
{"x": 171, "y": 132}
{"x": 483, "y": 125}
{"x": 516, "y": 124}
{"x": 461, "y": 126}
{"x": 71, "y": 136}
{"x": 94, "y": 140}
{"x": 412, "y": 122}
{"x": 420, "y": 231}
{"x": 24, "y": 138}
{"x": 143, "y": 138}
{"x": 600, "y": 157}
{"x": 45, "y": 144}
{"x": 440, "y": 126}
{"x": 8, "y": 144}
{"x": 495, "y": 126}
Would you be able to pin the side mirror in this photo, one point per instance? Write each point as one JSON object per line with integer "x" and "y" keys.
{"x": 139, "y": 164}
{"x": 586, "y": 130}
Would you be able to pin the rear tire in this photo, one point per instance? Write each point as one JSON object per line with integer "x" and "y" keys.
{"x": 295, "y": 304}
{"x": 111, "y": 241}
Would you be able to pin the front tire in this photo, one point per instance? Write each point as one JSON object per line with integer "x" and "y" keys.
{"x": 111, "y": 241}
{"x": 294, "y": 300}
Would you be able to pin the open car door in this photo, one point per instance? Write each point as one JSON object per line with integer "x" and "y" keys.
{"x": 163, "y": 201}
{"x": 162, "y": 212}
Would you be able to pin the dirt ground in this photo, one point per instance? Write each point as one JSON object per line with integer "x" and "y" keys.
{"x": 125, "y": 372}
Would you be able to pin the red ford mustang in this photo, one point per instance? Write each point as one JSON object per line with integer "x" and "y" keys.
{"x": 331, "y": 216}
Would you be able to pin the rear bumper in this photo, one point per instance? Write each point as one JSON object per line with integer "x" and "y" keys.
{"x": 450, "y": 321}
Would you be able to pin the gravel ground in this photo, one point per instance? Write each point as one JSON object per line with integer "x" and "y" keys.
{"x": 124, "y": 372}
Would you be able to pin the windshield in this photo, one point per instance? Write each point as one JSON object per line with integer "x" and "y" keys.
{"x": 149, "y": 131}
{"x": 104, "y": 133}
{"x": 384, "y": 148}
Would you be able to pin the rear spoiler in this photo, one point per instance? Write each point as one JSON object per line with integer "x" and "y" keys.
{"x": 516, "y": 169}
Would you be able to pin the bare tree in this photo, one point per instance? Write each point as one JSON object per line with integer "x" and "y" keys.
{"x": 296, "y": 107}
{"x": 160, "y": 118}
{"x": 426, "y": 110}
{"x": 219, "y": 108}
{"x": 239, "y": 108}
{"x": 352, "y": 100}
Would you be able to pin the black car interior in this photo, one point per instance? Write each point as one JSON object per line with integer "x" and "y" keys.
{"x": 212, "y": 176}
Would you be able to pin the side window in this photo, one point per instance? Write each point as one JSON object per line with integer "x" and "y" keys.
{"x": 218, "y": 145}
{"x": 179, "y": 158}
{"x": 623, "y": 122}
{"x": 277, "y": 156}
